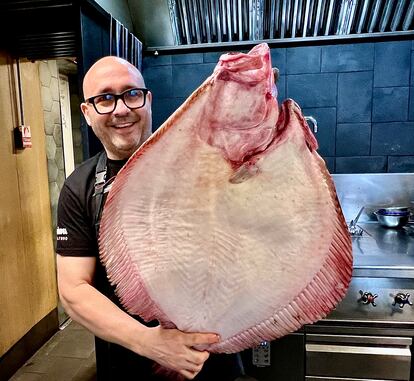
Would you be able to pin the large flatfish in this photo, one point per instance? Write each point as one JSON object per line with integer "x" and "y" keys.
{"x": 226, "y": 220}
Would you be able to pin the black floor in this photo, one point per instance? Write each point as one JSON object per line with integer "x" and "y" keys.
{"x": 68, "y": 356}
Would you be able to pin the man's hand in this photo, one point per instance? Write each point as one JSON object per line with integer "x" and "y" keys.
{"x": 174, "y": 349}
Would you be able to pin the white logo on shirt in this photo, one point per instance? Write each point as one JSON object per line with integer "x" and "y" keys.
{"x": 62, "y": 234}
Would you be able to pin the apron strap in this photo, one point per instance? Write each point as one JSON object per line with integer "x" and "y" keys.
{"x": 99, "y": 187}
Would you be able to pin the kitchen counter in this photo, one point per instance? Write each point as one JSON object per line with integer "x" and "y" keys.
{"x": 384, "y": 250}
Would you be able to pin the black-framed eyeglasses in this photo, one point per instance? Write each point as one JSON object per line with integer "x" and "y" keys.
{"x": 106, "y": 103}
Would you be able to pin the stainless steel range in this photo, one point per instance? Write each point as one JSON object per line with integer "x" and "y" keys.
{"x": 369, "y": 335}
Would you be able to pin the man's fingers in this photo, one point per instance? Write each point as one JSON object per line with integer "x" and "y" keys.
{"x": 192, "y": 367}
{"x": 198, "y": 358}
{"x": 191, "y": 371}
{"x": 188, "y": 375}
{"x": 183, "y": 352}
{"x": 202, "y": 338}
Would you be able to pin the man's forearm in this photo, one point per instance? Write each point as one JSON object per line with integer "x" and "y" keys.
{"x": 103, "y": 318}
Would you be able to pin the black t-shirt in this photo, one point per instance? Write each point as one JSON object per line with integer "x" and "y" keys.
{"x": 76, "y": 216}
{"x": 76, "y": 237}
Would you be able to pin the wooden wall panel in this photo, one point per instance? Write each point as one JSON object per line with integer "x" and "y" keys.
{"x": 12, "y": 255}
{"x": 35, "y": 200}
{"x": 27, "y": 261}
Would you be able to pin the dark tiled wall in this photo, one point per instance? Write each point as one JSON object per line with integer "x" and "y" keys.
{"x": 362, "y": 96}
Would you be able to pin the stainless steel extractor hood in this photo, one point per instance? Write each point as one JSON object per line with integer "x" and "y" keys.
{"x": 192, "y": 22}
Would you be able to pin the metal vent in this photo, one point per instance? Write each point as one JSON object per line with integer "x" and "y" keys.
{"x": 38, "y": 28}
{"x": 207, "y": 21}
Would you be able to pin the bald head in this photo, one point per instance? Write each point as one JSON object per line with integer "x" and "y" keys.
{"x": 108, "y": 68}
{"x": 124, "y": 129}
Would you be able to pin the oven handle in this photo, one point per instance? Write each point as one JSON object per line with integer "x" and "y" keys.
{"x": 357, "y": 350}
{"x": 316, "y": 378}
{"x": 355, "y": 339}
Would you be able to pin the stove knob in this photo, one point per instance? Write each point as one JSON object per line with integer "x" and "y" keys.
{"x": 367, "y": 298}
{"x": 402, "y": 299}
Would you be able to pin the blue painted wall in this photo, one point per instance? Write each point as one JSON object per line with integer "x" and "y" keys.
{"x": 362, "y": 96}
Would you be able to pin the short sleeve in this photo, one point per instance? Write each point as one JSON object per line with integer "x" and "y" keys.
{"x": 75, "y": 235}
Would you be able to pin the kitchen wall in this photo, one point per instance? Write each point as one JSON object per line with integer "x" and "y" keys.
{"x": 75, "y": 102}
{"x": 49, "y": 77}
{"x": 362, "y": 96}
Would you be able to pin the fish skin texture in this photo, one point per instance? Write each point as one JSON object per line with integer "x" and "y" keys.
{"x": 226, "y": 220}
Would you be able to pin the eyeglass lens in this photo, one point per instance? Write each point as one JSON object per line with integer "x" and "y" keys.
{"x": 106, "y": 103}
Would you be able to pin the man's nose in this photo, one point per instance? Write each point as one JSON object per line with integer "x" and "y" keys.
{"x": 120, "y": 107}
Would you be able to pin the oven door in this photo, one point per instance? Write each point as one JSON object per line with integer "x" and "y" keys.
{"x": 358, "y": 358}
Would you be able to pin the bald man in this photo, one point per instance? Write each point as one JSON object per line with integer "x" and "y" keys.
{"x": 117, "y": 107}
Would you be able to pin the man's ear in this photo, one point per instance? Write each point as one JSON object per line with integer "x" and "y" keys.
{"x": 85, "y": 111}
